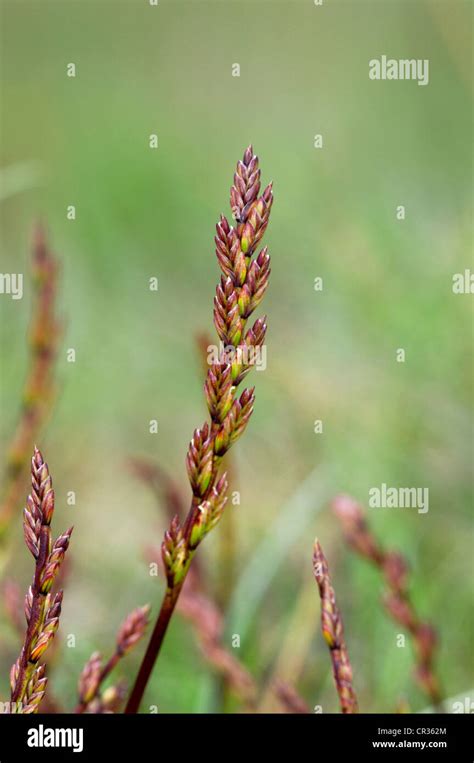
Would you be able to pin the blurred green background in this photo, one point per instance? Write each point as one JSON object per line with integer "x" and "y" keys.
{"x": 331, "y": 354}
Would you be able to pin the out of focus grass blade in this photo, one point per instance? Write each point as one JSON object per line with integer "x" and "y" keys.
{"x": 20, "y": 177}
{"x": 291, "y": 524}
{"x": 206, "y": 695}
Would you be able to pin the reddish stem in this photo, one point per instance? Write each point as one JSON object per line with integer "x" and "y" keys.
{"x": 153, "y": 648}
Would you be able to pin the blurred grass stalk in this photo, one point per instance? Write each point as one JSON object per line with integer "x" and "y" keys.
{"x": 38, "y": 392}
{"x": 92, "y": 698}
{"x": 397, "y": 601}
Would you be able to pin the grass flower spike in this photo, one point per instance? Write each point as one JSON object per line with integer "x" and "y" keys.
{"x": 333, "y": 632}
{"x": 42, "y": 607}
{"x": 240, "y": 290}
